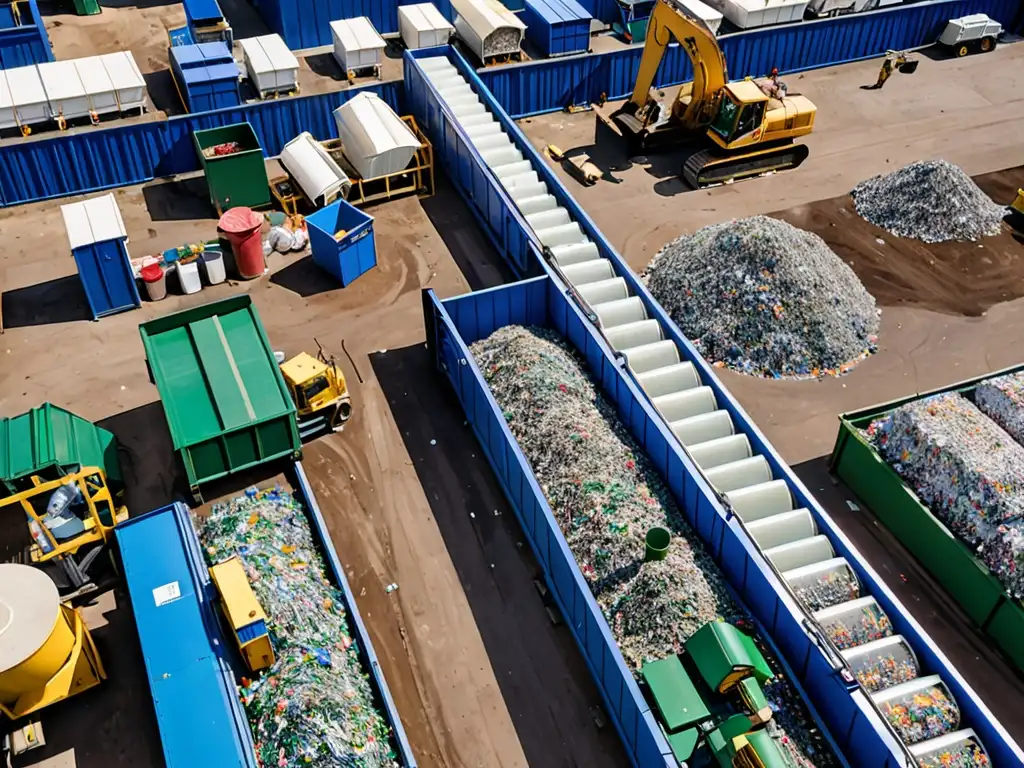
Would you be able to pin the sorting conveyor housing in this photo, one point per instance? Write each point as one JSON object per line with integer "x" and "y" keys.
{"x": 537, "y": 225}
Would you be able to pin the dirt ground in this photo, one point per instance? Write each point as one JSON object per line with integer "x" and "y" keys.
{"x": 465, "y": 642}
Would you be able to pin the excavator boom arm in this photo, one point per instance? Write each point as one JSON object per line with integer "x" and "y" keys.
{"x": 672, "y": 20}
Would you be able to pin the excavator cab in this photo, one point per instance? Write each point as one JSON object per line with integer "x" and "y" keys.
{"x": 319, "y": 392}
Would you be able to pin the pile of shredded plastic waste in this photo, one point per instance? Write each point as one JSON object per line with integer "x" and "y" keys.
{"x": 314, "y": 706}
{"x": 927, "y": 714}
{"x": 605, "y": 497}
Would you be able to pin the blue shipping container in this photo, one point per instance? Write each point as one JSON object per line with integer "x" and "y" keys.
{"x": 557, "y": 27}
{"x": 206, "y": 76}
{"x": 23, "y": 38}
{"x": 201, "y": 720}
{"x": 349, "y": 256}
{"x": 107, "y": 277}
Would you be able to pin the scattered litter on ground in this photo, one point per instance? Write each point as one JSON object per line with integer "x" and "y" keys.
{"x": 968, "y": 471}
{"x": 926, "y": 714}
{"x": 763, "y": 297}
{"x": 314, "y": 706}
{"x": 606, "y": 497}
{"x": 932, "y": 201}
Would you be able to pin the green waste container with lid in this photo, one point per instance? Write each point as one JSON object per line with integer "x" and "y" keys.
{"x": 87, "y": 7}
{"x": 232, "y": 159}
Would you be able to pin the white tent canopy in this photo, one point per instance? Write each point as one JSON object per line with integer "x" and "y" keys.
{"x": 314, "y": 170}
{"x": 376, "y": 141}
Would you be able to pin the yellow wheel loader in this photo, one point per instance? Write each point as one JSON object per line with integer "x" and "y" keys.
{"x": 749, "y": 126}
{"x": 318, "y": 390}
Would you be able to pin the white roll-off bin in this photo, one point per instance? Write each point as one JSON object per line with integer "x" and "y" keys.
{"x": 423, "y": 26}
{"x": 357, "y": 45}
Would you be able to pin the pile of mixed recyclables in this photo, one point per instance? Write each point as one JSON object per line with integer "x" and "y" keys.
{"x": 967, "y": 469}
{"x": 932, "y": 201}
{"x": 968, "y": 754}
{"x": 606, "y": 496}
{"x": 314, "y": 706}
{"x": 923, "y": 714}
{"x": 763, "y": 297}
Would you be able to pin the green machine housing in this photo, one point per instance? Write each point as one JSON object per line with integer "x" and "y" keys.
{"x": 51, "y": 442}
{"x": 226, "y": 402}
{"x": 709, "y": 701}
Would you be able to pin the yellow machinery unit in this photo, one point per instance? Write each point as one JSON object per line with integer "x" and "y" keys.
{"x": 71, "y": 521}
{"x": 319, "y": 391}
{"x": 244, "y": 614}
{"x": 1016, "y": 215}
{"x": 750, "y": 126}
{"x": 46, "y": 651}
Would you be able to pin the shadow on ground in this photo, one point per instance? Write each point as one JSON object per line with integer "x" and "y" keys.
{"x": 534, "y": 661}
{"x": 998, "y": 683}
{"x": 305, "y": 278}
{"x": 179, "y": 200}
{"x": 56, "y": 301}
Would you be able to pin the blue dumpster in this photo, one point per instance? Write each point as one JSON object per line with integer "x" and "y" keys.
{"x": 341, "y": 238}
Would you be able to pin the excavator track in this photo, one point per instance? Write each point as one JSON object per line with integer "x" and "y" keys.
{"x": 708, "y": 168}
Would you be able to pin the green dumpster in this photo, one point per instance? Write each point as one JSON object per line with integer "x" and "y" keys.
{"x": 238, "y": 178}
{"x": 225, "y": 399}
{"x": 87, "y": 7}
{"x": 966, "y": 579}
{"x": 50, "y": 442}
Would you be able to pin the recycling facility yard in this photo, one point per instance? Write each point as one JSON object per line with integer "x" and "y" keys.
{"x": 466, "y": 643}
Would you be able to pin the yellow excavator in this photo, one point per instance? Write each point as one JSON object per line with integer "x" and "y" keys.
{"x": 751, "y": 126}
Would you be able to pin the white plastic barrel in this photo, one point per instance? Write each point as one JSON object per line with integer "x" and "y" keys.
{"x": 631, "y": 335}
{"x": 612, "y": 289}
{"x": 723, "y": 450}
{"x": 535, "y": 204}
{"x": 588, "y": 271}
{"x": 760, "y": 501}
{"x": 561, "y": 235}
{"x": 683, "y": 405}
{"x": 547, "y": 219}
{"x": 512, "y": 170}
{"x": 213, "y": 266}
{"x": 782, "y": 529}
{"x": 700, "y": 429}
{"x": 496, "y": 158}
{"x": 651, "y": 356}
{"x": 574, "y": 253}
{"x": 786, "y": 557}
{"x": 740, "y": 474}
{"x": 809, "y": 574}
{"x": 870, "y": 654}
{"x": 671, "y": 378}
{"x": 949, "y": 742}
{"x": 188, "y": 276}
{"x": 621, "y": 312}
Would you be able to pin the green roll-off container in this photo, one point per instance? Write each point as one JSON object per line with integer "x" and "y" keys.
{"x": 226, "y": 402}
{"x": 945, "y": 557}
{"x": 238, "y": 179}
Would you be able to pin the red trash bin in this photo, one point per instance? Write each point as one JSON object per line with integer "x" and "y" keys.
{"x": 242, "y": 227}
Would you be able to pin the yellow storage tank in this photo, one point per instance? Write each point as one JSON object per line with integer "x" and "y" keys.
{"x": 46, "y": 651}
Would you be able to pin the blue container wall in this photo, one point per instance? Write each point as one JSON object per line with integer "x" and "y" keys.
{"x": 453, "y": 151}
{"x": 200, "y": 718}
{"x": 550, "y": 27}
{"x": 353, "y": 255}
{"x": 27, "y": 44}
{"x": 602, "y": 10}
{"x": 212, "y": 95}
{"x": 306, "y": 23}
{"x": 107, "y": 277}
{"x": 535, "y": 88}
{"x": 89, "y": 160}
{"x": 848, "y": 714}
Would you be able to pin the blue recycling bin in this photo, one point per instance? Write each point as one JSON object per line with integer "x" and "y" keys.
{"x": 341, "y": 238}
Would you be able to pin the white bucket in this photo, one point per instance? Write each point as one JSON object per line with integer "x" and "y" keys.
{"x": 213, "y": 265}
{"x": 188, "y": 277}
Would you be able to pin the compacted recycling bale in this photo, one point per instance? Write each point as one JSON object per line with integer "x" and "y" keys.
{"x": 763, "y": 297}
{"x": 968, "y": 471}
{"x": 606, "y": 497}
{"x": 1002, "y": 400}
{"x": 932, "y": 201}
{"x": 314, "y": 706}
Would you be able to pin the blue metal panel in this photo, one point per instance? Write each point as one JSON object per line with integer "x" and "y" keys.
{"x": 557, "y": 27}
{"x": 367, "y": 655}
{"x": 547, "y": 86}
{"x": 251, "y": 631}
{"x": 107, "y": 277}
{"x": 197, "y": 710}
{"x": 92, "y": 160}
{"x": 604, "y": 10}
{"x": 203, "y": 12}
{"x": 25, "y": 44}
{"x": 7, "y": 16}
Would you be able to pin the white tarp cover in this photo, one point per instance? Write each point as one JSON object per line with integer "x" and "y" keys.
{"x": 271, "y": 65}
{"x": 314, "y": 170}
{"x": 93, "y": 221}
{"x": 376, "y": 140}
{"x": 423, "y": 26}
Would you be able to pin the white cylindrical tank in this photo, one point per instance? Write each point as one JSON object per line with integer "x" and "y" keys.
{"x": 760, "y": 501}
{"x": 561, "y": 235}
{"x": 621, "y": 312}
{"x": 599, "y": 291}
{"x": 796, "y": 554}
{"x": 724, "y": 450}
{"x": 673, "y": 378}
{"x": 376, "y": 140}
{"x": 319, "y": 177}
{"x": 552, "y": 217}
{"x": 782, "y": 529}
{"x": 571, "y": 253}
{"x": 630, "y": 335}
{"x": 533, "y": 204}
{"x": 700, "y": 429}
{"x": 682, "y": 405}
{"x": 651, "y": 356}
{"x": 588, "y": 271}
{"x": 740, "y": 474}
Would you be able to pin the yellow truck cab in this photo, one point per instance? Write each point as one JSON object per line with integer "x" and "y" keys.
{"x": 319, "y": 391}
